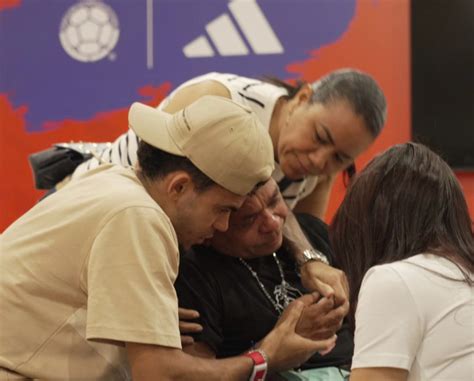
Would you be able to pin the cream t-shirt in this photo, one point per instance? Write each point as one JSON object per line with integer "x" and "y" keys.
{"x": 85, "y": 270}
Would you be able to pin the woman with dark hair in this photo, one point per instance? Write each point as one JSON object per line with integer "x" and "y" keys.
{"x": 403, "y": 236}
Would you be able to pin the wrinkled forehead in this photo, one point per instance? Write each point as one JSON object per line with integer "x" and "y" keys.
{"x": 258, "y": 200}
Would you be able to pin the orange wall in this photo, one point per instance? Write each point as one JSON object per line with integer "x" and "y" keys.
{"x": 467, "y": 182}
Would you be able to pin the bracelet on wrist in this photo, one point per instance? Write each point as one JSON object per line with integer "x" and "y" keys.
{"x": 260, "y": 364}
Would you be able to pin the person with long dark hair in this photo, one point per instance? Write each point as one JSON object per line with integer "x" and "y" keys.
{"x": 403, "y": 236}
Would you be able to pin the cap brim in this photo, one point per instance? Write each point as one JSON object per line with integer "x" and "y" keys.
{"x": 151, "y": 125}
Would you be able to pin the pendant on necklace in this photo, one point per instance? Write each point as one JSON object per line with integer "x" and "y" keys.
{"x": 285, "y": 293}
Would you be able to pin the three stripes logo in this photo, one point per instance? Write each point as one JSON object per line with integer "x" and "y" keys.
{"x": 224, "y": 36}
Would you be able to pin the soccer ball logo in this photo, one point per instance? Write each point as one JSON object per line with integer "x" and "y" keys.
{"x": 89, "y": 31}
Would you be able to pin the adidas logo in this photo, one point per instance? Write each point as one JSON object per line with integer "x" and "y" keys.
{"x": 226, "y": 39}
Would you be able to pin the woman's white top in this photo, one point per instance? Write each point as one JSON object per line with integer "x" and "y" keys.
{"x": 410, "y": 315}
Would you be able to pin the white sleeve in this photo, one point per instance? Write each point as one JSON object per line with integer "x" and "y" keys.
{"x": 389, "y": 327}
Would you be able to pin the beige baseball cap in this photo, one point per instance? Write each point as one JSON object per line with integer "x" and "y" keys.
{"x": 222, "y": 138}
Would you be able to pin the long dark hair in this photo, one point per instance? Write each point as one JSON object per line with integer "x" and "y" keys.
{"x": 407, "y": 201}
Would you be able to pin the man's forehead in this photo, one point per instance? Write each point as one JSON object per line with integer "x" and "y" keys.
{"x": 257, "y": 200}
{"x": 267, "y": 188}
{"x": 252, "y": 204}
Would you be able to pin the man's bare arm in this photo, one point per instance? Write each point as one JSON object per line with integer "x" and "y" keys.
{"x": 151, "y": 363}
{"x": 316, "y": 203}
{"x": 315, "y": 275}
{"x": 200, "y": 349}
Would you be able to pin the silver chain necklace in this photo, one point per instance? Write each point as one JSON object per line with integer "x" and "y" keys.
{"x": 284, "y": 293}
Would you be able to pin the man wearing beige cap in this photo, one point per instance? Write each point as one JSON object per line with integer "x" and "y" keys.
{"x": 86, "y": 286}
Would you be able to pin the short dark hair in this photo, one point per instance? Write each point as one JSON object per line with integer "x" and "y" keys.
{"x": 356, "y": 87}
{"x": 407, "y": 201}
{"x": 155, "y": 163}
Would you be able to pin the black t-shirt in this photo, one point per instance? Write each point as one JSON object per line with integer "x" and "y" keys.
{"x": 234, "y": 311}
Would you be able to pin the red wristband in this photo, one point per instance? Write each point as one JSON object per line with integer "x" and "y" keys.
{"x": 260, "y": 365}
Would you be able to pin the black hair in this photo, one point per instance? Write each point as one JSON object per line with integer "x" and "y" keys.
{"x": 155, "y": 163}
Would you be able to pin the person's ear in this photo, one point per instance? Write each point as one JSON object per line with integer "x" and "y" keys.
{"x": 301, "y": 97}
{"x": 178, "y": 183}
{"x": 304, "y": 94}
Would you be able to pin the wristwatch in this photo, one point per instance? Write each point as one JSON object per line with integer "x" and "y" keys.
{"x": 259, "y": 364}
{"x": 313, "y": 255}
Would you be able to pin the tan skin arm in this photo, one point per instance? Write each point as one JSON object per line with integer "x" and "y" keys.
{"x": 200, "y": 349}
{"x": 316, "y": 203}
{"x": 317, "y": 321}
{"x": 285, "y": 349}
{"x": 315, "y": 276}
{"x": 378, "y": 374}
{"x": 151, "y": 363}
